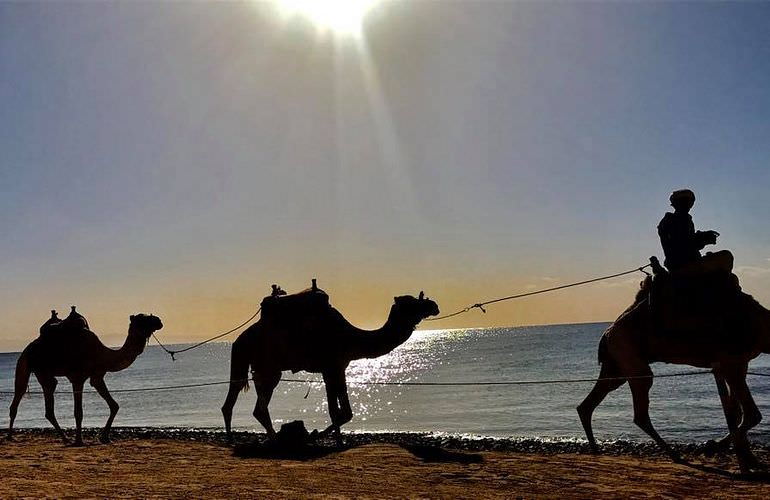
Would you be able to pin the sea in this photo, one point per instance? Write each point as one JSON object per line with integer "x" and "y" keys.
{"x": 683, "y": 409}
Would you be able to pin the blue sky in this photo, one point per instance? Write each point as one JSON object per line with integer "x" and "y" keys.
{"x": 179, "y": 158}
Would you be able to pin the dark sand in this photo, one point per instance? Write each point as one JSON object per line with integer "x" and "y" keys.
{"x": 154, "y": 463}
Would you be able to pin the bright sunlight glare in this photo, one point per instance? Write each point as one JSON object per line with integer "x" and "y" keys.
{"x": 342, "y": 17}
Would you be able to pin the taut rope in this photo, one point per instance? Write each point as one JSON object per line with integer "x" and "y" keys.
{"x": 480, "y": 305}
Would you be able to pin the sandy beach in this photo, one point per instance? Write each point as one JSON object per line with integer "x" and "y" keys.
{"x": 189, "y": 464}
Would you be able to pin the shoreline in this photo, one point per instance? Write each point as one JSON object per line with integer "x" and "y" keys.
{"x": 539, "y": 445}
{"x": 167, "y": 463}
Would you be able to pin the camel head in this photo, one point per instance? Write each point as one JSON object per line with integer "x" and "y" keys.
{"x": 414, "y": 309}
{"x": 144, "y": 324}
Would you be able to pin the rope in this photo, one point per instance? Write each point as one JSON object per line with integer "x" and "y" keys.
{"x": 173, "y": 353}
{"x": 418, "y": 384}
{"x": 480, "y": 305}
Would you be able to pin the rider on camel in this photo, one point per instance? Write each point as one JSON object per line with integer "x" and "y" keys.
{"x": 682, "y": 243}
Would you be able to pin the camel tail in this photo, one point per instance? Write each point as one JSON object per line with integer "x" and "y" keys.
{"x": 23, "y": 373}
{"x": 603, "y": 349}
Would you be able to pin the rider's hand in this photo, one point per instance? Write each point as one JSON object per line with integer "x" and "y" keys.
{"x": 711, "y": 237}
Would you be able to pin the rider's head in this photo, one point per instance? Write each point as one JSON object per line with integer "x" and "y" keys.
{"x": 682, "y": 199}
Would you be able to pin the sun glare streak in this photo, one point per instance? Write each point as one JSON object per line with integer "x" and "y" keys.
{"x": 343, "y": 17}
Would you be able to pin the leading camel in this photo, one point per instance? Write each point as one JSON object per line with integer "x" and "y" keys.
{"x": 321, "y": 342}
{"x": 635, "y": 340}
{"x": 79, "y": 356}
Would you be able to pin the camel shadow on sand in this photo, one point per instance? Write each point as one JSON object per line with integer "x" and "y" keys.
{"x": 755, "y": 476}
{"x": 293, "y": 442}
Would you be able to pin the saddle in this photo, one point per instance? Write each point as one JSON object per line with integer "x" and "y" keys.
{"x": 700, "y": 302}
{"x": 294, "y": 308}
{"x": 300, "y": 317}
{"x": 73, "y": 323}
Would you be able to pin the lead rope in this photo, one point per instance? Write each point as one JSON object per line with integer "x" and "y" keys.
{"x": 480, "y": 305}
{"x": 173, "y": 353}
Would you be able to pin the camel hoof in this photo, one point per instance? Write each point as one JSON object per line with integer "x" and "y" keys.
{"x": 104, "y": 439}
{"x": 77, "y": 443}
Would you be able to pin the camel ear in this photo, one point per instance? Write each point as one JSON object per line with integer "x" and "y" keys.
{"x": 422, "y": 295}
{"x": 132, "y": 317}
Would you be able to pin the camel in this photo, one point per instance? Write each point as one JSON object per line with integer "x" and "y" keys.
{"x": 78, "y": 355}
{"x": 637, "y": 339}
{"x": 321, "y": 341}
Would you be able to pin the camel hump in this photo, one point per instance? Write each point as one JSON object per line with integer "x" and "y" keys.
{"x": 291, "y": 307}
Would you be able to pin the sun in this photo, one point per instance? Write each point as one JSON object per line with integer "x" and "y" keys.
{"x": 342, "y": 17}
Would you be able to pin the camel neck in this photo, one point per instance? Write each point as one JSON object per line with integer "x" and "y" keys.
{"x": 121, "y": 358}
{"x": 376, "y": 343}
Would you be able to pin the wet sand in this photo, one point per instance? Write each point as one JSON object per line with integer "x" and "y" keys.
{"x": 142, "y": 463}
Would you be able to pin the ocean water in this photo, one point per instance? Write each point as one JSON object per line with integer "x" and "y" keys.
{"x": 683, "y": 409}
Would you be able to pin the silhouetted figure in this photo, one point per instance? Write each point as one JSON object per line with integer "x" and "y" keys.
{"x": 702, "y": 340}
{"x": 681, "y": 242}
{"x": 76, "y": 353}
{"x": 304, "y": 332}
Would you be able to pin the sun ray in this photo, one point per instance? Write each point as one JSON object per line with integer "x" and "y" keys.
{"x": 342, "y": 17}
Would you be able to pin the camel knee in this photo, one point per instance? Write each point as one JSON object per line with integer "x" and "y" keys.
{"x": 114, "y": 407}
{"x": 643, "y": 422}
{"x": 584, "y": 409}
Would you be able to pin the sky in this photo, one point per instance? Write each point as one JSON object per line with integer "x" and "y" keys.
{"x": 179, "y": 158}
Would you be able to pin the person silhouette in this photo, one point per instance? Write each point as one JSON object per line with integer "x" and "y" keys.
{"x": 682, "y": 243}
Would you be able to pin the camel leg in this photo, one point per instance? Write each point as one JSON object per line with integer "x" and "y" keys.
{"x": 265, "y": 384}
{"x": 17, "y": 396}
{"x": 338, "y": 401}
{"x": 731, "y": 409}
{"x": 48, "y": 383}
{"x": 98, "y": 384}
{"x": 227, "y": 407}
{"x": 640, "y": 393}
{"x": 736, "y": 380}
{"x": 77, "y": 396}
{"x": 602, "y": 387}
{"x": 239, "y": 380}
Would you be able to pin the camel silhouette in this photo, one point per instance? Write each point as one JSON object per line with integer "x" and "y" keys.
{"x": 315, "y": 339}
{"x": 636, "y": 339}
{"x": 78, "y": 355}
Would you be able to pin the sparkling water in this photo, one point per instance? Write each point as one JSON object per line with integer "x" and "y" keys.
{"x": 682, "y": 408}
